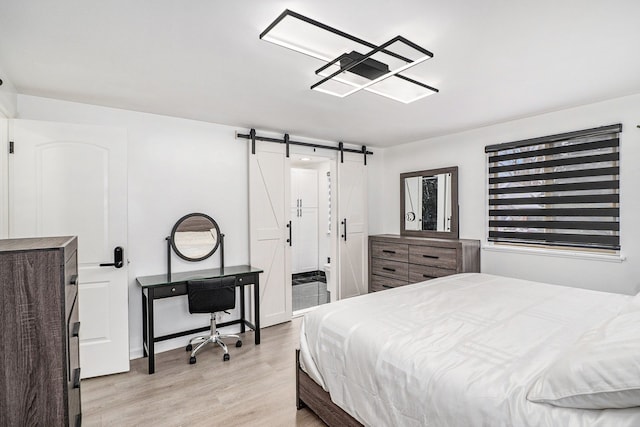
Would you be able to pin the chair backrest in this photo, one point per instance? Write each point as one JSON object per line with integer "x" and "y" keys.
{"x": 211, "y": 295}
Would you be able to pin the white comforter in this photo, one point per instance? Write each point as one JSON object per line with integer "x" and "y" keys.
{"x": 457, "y": 351}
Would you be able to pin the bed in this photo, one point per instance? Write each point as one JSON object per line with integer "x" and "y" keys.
{"x": 473, "y": 350}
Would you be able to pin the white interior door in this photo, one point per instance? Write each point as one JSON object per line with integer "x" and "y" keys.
{"x": 72, "y": 180}
{"x": 269, "y": 218}
{"x": 352, "y": 217}
{"x": 305, "y": 243}
{"x": 304, "y": 220}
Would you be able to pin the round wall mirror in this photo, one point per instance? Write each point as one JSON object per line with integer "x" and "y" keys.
{"x": 195, "y": 237}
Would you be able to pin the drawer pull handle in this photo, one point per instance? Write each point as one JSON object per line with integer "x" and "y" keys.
{"x": 173, "y": 289}
{"x": 387, "y": 286}
{"x": 389, "y": 269}
{"x": 76, "y": 378}
{"x": 426, "y": 276}
{"x": 387, "y": 251}
{"x": 74, "y": 280}
{"x": 431, "y": 256}
{"x": 75, "y": 331}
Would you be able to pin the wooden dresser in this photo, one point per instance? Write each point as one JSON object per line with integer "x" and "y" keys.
{"x": 401, "y": 260}
{"x": 39, "y": 348}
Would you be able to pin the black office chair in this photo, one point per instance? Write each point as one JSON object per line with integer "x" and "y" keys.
{"x": 211, "y": 296}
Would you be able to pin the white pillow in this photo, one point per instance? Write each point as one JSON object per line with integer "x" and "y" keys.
{"x": 600, "y": 371}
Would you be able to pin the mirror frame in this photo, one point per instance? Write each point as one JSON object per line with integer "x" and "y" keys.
{"x": 453, "y": 234}
{"x": 175, "y": 228}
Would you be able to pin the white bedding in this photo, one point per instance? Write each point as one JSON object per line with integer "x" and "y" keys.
{"x": 461, "y": 350}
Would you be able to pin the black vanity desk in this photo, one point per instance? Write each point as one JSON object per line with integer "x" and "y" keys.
{"x": 158, "y": 286}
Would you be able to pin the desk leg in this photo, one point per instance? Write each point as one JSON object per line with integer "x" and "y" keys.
{"x": 242, "y": 325}
{"x": 256, "y": 310}
{"x": 151, "y": 336}
{"x": 144, "y": 325}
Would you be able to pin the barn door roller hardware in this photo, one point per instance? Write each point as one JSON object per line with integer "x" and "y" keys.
{"x": 287, "y": 141}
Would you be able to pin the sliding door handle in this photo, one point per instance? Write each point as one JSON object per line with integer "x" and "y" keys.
{"x": 289, "y": 240}
{"x": 118, "y": 258}
{"x": 344, "y": 224}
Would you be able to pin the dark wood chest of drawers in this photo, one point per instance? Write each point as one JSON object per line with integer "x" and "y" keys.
{"x": 39, "y": 348}
{"x": 401, "y": 260}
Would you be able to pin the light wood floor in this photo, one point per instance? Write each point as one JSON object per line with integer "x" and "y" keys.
{"x": 256, "y": 387}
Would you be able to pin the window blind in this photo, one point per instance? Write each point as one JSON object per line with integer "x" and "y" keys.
{"x": 558, "y": 190}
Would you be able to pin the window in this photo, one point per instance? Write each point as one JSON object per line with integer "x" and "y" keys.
{"x": 558, "y": 190}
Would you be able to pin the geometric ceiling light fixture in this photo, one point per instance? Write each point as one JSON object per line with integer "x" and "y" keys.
{"x": 350, "y": 64}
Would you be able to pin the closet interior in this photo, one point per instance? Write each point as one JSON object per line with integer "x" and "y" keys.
{"x": 311, "y": 231}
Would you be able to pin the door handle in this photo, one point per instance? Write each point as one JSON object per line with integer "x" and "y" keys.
{"x": 344, "y": 223}
{"x": 289, "y": 240}
{"x": 118, "y": 256}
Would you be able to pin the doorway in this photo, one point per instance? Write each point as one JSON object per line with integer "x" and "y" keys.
{"x": 67, "y": 180}
{"x": 272, "y": 213}
{"x": 311, "y": 231}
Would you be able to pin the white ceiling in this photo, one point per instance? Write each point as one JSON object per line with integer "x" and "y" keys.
{"x": 494, "y": 60}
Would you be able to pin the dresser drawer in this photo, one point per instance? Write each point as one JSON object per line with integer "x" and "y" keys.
{"x": 399, "y": 260}
{"x": 390, "y": 251}
{"x": 169, "y": 291}
{"x": 420, "y": 273}
{"x": 380, "y": 283}
{"x": 392, "y": 269}
{"x": 70, "y": 282}
{"x": 247, "y": 279}
{"x": 73, "y": 364}
{"x": 73, "y": 340}
{"x": 433, "y": 256}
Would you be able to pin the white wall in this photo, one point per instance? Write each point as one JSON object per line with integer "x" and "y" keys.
{"x": 466, "y": 150}
{"x": 323, "y": 212}
{"x": 176, "y": 166}
{"x": 8, "y": 97}
{"x": 323, "y": 208}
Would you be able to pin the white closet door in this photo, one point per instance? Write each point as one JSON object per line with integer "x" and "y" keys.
{"x": 304, "y": 217}
{"x": 307, "y": 240}
{"x": 307, "y": 186}
{"x": 304, "y": 188}
{"x": 352, "y": 209}
{"x": 72, "y": 180}
{"x": 295, "y": 196}
{"x": 269, "y": 216}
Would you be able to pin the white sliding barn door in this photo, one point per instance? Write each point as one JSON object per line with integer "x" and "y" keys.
{"x": 269, "y": 218}
{"x": 352, "y": 208}
{"x": 72, "y": 180}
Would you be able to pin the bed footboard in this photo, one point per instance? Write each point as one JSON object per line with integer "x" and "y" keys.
{"x": 311, "y": 395}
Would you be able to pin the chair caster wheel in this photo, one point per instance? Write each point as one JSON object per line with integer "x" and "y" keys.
{"x": 225, "y": 358}
{"x": 238, "y": 343}
{"x": 189, "y": 347}
{"x": 192, "y": 360}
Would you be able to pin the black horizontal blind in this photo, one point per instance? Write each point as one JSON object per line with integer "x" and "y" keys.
{"x": 559, "y": 190}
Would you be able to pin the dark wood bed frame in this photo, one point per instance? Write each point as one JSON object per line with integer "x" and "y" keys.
{"x": 309, "y": 394}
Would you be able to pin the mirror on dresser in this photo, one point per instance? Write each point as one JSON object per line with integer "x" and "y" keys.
{"x": 429, "y": 203}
